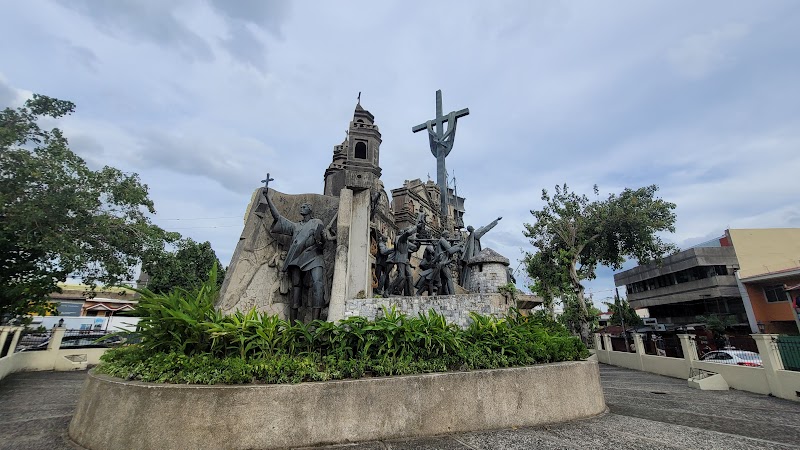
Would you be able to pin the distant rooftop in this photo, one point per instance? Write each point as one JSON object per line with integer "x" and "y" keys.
{"x": 716, "y": 242}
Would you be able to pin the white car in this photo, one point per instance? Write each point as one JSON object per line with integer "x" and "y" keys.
{"x": 734, "y": 357}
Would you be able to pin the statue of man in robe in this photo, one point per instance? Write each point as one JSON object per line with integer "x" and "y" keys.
{"x": 304, "y": 256}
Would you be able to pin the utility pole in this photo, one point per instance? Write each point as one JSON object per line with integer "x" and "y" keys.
{"x": 621, "y": 318}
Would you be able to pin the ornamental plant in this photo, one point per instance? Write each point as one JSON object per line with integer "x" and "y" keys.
{"x": 183, "y": 339}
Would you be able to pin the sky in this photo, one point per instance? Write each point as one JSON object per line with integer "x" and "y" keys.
{"x": 203, "y": 98}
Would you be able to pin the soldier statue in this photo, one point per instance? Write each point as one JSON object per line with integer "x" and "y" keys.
{"x": 404, "y": 245}
{"x": 383, "y": 265}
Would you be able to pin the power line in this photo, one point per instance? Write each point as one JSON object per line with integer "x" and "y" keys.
{"x": 201, "y": 218}
{"x": 216, "y": 226}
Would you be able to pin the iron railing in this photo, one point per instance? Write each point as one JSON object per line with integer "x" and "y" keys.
{"x": 789, "y": 349}
{"x": 32, "y": 341}
{"x": 38, "y": 341}
{"x": 729, "y": 350}
{"x": 618, "y": 344}
{"x": 90, "y": 339}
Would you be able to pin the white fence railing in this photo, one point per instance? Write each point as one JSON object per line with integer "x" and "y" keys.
{"x": 770, "y": 378}
{"x": 53, "y": 358}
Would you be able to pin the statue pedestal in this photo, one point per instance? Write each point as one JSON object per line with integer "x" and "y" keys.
{"x": 455, "y": 308}
{"x": 352, "y": 264}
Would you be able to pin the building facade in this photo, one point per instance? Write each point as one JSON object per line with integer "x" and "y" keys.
{"x": 744, "y": 273}
{"x": 769, "y": 275}
{"x": 74, "y": 300}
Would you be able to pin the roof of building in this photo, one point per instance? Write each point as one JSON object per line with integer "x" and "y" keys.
{"x": 791, "y": 272}
{"x": 488, "y": 255}
{"x": 111, "y": 300}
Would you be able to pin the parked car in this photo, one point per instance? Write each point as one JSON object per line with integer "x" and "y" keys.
{"x": 733, "y": 357}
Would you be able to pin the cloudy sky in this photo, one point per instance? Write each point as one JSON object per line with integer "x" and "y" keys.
{"x": 203, "y": 98}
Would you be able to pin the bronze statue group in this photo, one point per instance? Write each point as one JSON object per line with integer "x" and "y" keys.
{"x": 435, "y": 272}
{"x": 304, "y": 257}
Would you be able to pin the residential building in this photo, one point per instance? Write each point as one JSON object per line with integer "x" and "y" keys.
{"x": 73, "y": 300}
{"x": 769, "y": 277}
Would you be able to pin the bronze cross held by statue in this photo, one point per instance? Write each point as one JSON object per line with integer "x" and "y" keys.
{"x": 441, "y": 143}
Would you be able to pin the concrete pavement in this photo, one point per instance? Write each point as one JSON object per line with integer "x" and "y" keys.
{"x": 646, "y": 412}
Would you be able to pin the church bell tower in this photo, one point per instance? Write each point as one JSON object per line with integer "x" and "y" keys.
{"x": 356, "y": 161}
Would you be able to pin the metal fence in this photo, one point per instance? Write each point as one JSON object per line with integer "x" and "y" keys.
{"x": 731, "y": 350}
{"x": 672, "y": 347}
{"x": 789, "y": 349}
{"x": 37, "y": 341}
{"x": 651, "y": 345}
{"x": 746, "y": 343}
{"x": 707, "y": 344}
{"x": 89, "y": 339}
{"x": 33, "y": 341}
{"x": 620, "y": 344}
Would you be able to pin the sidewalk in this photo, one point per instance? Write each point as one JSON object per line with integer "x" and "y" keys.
{"x": 646, "y": 412}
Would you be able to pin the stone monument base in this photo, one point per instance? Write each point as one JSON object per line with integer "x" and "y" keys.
{"x": 113, "y": 414}
{"x": 455, "y": 308}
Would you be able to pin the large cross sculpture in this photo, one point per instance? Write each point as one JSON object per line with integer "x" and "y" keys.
{"x": 441, "y": 143}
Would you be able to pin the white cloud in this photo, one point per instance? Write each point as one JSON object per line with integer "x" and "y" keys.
{"x": 10, "y": 96}
{"x": 698, "y": 55}
{"x": 203, "y": 98}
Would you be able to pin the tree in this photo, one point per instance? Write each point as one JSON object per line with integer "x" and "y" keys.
{"x": 550, "y": 282}
{"x": 718, "y": 323}
{"x": 573, "y": 316}
{"x": 577, "y": 234}
{"x": 620, "y": 310}
{"x": 60, "y": 218}
{"x": 187, "y": 267}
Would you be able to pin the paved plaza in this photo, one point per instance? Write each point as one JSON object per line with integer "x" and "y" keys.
{"x": 646, "y": 412}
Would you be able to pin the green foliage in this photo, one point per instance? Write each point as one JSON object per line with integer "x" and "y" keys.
{"x": 509, "y": 290}
{"x": 573, "y": 316}
{"x": 573, "y": 235}
{"x": 621, "y": 309}
{"x": 179, "y": 321}
{"x": 185, "y": 267}
{"x": 550, "y": 282}
{"x": 60, "y": 218}
{"x": 184, "y": 340}
{"x": 718, "y": 323}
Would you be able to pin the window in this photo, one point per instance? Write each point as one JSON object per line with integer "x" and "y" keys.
{"x": 775, "y": 293}
{"x": 69, "y": 308}
{"x": 682, "y": 276}
{"x": 361, "y": 150}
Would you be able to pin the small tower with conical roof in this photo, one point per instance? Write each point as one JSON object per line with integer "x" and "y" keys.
{"x": 356, "y": 161}
{"x": 487, "y": 272}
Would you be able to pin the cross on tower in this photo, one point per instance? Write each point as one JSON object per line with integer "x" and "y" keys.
{"x": 441, "y": 142}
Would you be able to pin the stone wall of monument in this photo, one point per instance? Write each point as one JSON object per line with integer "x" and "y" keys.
{"x": 455, "y": 308}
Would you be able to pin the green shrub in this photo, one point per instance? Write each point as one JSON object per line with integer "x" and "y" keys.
{"x": 184, "y": 340}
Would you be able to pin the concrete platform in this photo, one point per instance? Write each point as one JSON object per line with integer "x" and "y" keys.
{"x": 36, "y": 408}
{"x": 279, "y": 416}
